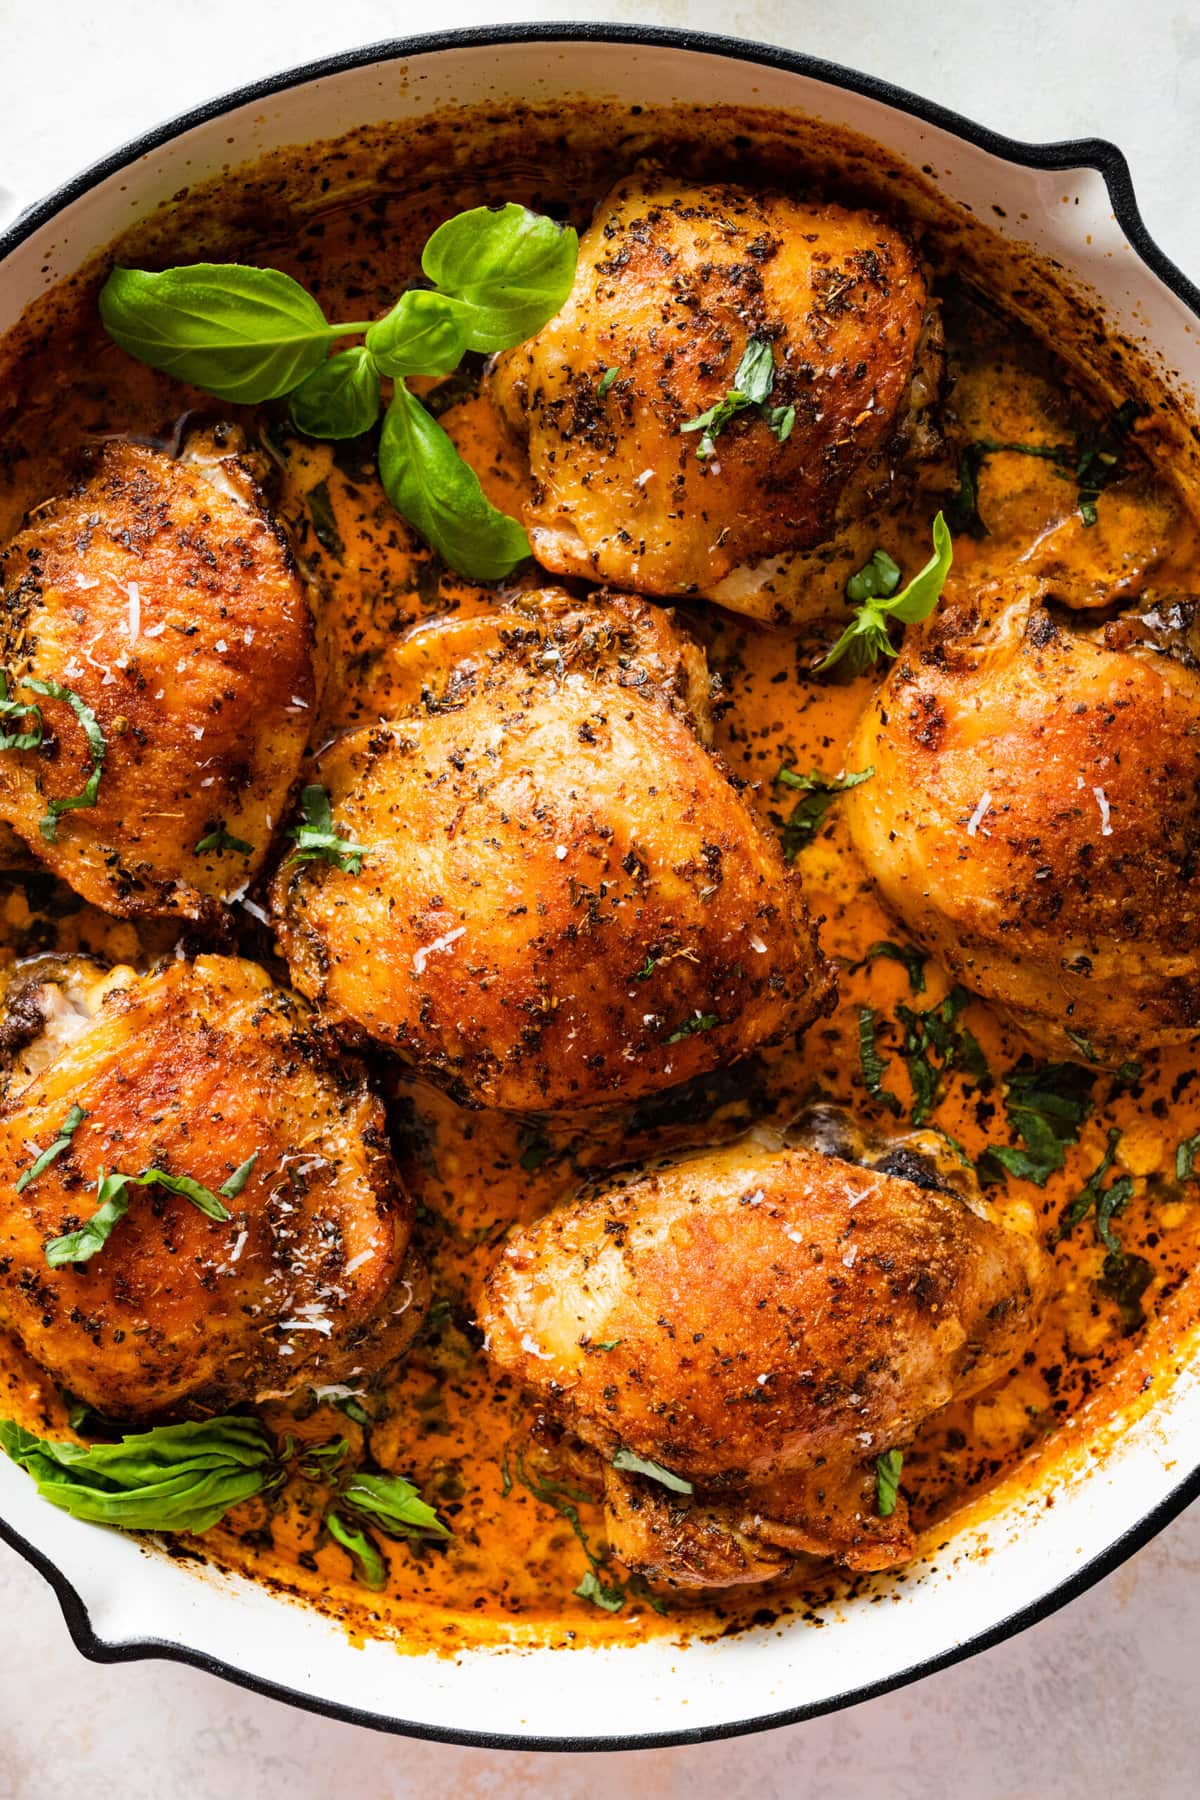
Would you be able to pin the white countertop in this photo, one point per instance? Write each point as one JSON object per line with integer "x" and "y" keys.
{"x": 1102, "y": 1698}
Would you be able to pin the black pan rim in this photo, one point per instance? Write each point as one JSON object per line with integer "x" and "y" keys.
{"x": 1095, "y": 153}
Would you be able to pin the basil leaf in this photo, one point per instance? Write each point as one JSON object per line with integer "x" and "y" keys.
{"x": 887, "y": 1481}
{"x": 753, "y": 380}
{"x": 641, "y": 1465}
{"x": 1185, "y": 1159}
{"x": 202, "y": 1198}
{"x": 806, "y": 817}
{"x": 1046, "y": 1104}
{"x": 340, "y": 399}
{"x": 608, "y": 1599}
{"x": 240, "y": 333}
{"x": 217, "y": 841}
{"x": 512, "y": 269}
{"x": 19, "y": 709}
{"x": 424, "y": 334}
{"x": 692, "y": 1027}
{"x": 392, "y": 1505}
{"x": 316, "y": 839}
{"x": 54, "y": 690}
{"x": 237, "y": 1181}
{"x": 439, "y": 494}
{"x": 866, "y": 637}
{"x": 605, "y": 382}
{"x": 66, "y": 1132}
{"x": 914, "y": 961}
{"x": 174, "y": 1478}
{"x": 112, "y": 1203}
{"x": 877, "y": 579}
{"x": 874, "y": 1066}
{"x": 370, "y": 1569}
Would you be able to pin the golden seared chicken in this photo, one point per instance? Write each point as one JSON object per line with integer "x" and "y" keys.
{"x": 155, "y": 619}
{"x": 194, "y": 1071}
{"x": 760, "y": 1324}
{"x": 1034, "y": 816}
{"x": 674, "y": 283}
{"x": 562, "y": 898}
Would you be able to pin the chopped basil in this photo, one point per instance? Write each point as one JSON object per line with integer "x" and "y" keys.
{"x": 19, "y": 709}
{"x": 753, "y": 380}
{"x": 112, "y": 1203}
{"x": 237, "y": 1181}
{"x": 1099, "y": 461}
{"x": 54, "y": 690}
{"x": 608, "y": 1599}
{"x": 914, "y": 961}
{"x": 820, "y": 792}
{"x": 1185, "y": 1159}
{"x": 691, "y": 1027}
{"x": 887, "y": 1481}
{"x": 1092, "y": 462}
{"x": 605, "y": 382}
{"x": 1046, "y": 1104}
{"x": 874, "y": 1066}
{"x": 935, "y": 1043}
{"x": 316, "y": 839}
{"x": 66, "y": 1132}
{"x": 217, "y": 840}
{"x": 641, "y": 1465}
{"x": 566, "y": 1502}
{"x": 1103, "y": 1202}
{"x": 867, "y": 638}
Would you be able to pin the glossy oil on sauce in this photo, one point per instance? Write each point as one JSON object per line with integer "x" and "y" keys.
{"x": 510, "y": 1570}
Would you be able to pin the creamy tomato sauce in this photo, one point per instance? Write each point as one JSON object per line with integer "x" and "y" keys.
{"x": 349, "y": 221}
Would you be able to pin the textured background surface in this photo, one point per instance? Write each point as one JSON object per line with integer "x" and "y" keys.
{"x": 1101, "y": 1699}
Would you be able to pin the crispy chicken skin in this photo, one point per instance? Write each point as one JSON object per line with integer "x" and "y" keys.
{"x": 193, "y": 1069}
{"x": 160, "y": 593}
{"x": 762, "y": 1323}
{"x": 1035, "y": 812}
{"x": 671, "y": 284}
{"x": 564, "y": 900}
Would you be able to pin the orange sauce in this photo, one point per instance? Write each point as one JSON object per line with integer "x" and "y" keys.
{"x": 512, "y": 1565}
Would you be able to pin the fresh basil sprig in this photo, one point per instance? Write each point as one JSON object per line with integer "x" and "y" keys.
{"x": 174, "y": 1478}
{"x": 873, "y": 590}
{"x": 187, "y": 1477}
{"x": 247, "y": 335}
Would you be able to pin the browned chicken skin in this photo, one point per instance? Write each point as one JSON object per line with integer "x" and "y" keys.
{"x": 762, "y": 1323}
{"x": 564, "y": 900}
{"x": 193, "y": 1070}
{"x": 161, "y": 595}
{"x": 1034, "y": 814}
{"x": 672, "y": 283}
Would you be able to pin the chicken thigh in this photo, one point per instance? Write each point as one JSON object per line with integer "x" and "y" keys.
{"x": 154, "y": 619}
{"x": 674, "y": 286}
{"x": 202, "y": 1071}
{"x": 555, "y": 896}
{"x": 760, "y": 1324}
{"x": 1034, "y": 815}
